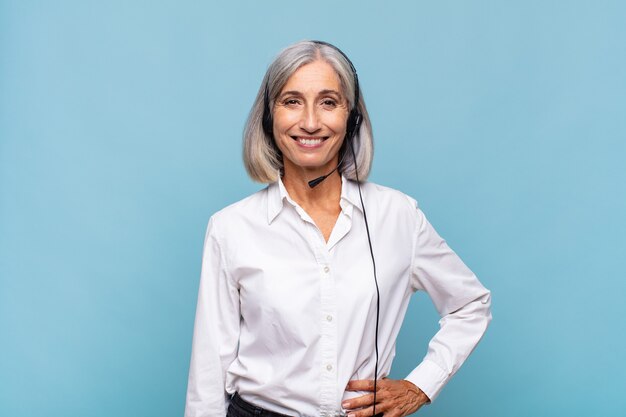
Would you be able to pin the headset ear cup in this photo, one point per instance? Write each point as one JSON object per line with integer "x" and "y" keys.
{"x": 268, "y": 123}
{"x": 357, "y": 121}
{"x": 353, "y": 123}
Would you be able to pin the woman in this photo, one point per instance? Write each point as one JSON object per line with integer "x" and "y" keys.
{"x": 305, "y": 284}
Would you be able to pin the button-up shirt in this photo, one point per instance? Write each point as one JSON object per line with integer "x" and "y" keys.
{"x": 286, "y": 318}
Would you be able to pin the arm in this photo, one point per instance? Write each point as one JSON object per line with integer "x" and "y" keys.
{"x": 464, "y": 306}
{"x": 461, "y": 300}
{"x": 216, "y": 333}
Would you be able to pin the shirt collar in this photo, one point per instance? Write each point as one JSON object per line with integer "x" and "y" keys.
{"x": 277, "y": 194}
{"x": 350, "y": 193}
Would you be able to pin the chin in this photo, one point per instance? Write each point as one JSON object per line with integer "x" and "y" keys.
{"x": 312, "y": 165}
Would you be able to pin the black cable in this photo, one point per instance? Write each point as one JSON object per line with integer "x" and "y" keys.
{"x": 352, "y": 127}
{"x": 369, "y": 241}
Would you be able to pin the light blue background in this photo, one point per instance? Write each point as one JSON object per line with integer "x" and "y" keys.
{"x": 120, "y": 127}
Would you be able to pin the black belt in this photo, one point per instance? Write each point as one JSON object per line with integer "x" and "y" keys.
{"x": 245, "y": 409}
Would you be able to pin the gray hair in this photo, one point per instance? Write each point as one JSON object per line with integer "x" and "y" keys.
{"x": 261, "y": 156}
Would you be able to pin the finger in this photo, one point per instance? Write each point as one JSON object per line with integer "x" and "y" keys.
{"x": 358, "y": 402}
{"x": 369, "y": 411}
{"x": 361, "y": 385}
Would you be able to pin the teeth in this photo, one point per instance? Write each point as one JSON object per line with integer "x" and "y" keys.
{"x": 309, "y": 141}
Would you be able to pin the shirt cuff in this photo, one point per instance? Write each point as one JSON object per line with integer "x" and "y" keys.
{"x": 429, "y": 377}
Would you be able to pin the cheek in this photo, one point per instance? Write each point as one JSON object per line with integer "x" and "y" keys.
{"x": 335, "y": 121}
{"x": 337, "y": 126}
{"x": 284, "y": 120}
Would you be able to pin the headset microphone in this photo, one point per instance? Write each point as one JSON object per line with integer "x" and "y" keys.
{"x": 316, "y": 181}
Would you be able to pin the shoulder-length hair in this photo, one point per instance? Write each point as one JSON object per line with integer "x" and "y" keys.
{"x": 262, "y": 158}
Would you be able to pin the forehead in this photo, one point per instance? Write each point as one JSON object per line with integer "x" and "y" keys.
{"x": 315, "y": 76}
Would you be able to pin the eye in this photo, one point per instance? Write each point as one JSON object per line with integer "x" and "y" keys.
{"x": 291, "y": 102}
{"x": 329, "y": 102}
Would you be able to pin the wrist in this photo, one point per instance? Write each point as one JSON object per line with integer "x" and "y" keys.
{"x": 420, "y": 396}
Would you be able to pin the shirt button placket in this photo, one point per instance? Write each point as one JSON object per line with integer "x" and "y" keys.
{"x": 328, "y": 340}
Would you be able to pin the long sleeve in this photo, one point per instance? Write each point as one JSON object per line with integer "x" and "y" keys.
{"x": 216, "y": 333}
{"x": 461, "y": 300}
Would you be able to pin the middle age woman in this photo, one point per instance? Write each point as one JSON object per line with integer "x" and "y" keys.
{"x": 289, "y": 319}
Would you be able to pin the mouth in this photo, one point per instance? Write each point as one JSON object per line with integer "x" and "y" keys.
{"x": 310, "y": 141}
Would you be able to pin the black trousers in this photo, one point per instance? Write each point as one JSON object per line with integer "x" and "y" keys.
{"x": 240, "y": 408}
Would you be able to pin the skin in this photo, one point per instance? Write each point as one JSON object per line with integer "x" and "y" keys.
{"x": 394, "y": 398}
{"x": 312, "y": 106}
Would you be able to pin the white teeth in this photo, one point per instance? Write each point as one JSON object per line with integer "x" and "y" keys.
{"x": 309, "y": 141}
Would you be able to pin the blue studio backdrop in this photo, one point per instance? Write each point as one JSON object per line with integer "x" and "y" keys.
{"x": 120, "y": 134}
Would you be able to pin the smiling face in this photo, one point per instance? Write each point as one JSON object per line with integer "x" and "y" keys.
{"x": 310, "y": 115}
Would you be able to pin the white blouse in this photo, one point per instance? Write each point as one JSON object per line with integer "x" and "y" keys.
{"x": 287, "y": 319}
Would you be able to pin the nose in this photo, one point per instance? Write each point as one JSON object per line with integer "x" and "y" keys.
{"x": 310, "y": 121}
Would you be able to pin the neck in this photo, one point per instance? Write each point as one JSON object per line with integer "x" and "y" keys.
{"x": 327, "y": 192}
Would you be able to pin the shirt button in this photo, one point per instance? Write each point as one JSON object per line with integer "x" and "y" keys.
{"x": 329, "y": 367}
{"x": 329, "y": 318}
{"x": 326, "y": 269}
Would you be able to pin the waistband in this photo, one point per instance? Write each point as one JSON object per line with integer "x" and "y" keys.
{"x": 253, "y": 409}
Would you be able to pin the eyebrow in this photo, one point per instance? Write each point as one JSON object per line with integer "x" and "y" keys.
{"x": 330, "y": 92}
{"x": 321, "y": 93}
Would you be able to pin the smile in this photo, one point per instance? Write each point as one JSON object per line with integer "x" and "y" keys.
{"x": 309, "y": 141}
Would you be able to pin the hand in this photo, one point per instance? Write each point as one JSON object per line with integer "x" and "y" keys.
{"x": 394, "y": 398}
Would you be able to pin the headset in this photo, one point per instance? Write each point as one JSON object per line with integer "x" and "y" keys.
{"x": 352, "y": 127}
{"x": 352, "y": 124}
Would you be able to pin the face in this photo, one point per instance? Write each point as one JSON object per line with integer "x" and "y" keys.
{"x": 310, "y": 117}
